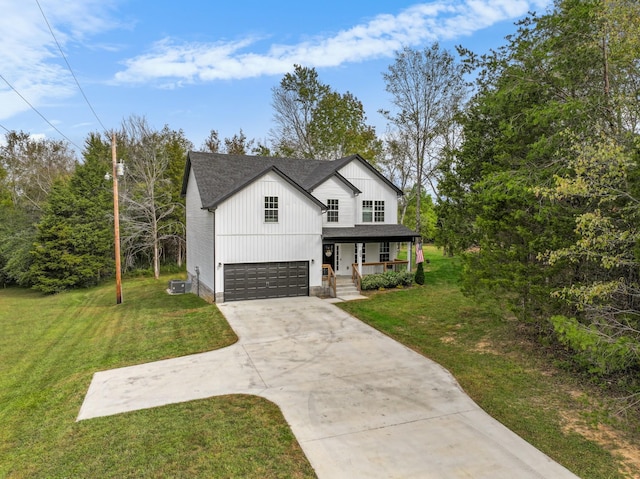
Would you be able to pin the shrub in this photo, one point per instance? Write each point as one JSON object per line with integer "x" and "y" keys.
{"x": 389, "y": 279}
{"x": 420, "y": 274}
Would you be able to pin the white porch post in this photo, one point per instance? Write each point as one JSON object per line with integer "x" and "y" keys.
{"x": 409, "y": 256}
{"x": 360, "y": 258}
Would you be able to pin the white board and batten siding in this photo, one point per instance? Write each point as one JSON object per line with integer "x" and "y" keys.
{"x": 373, "y": 188}
{"x": 199, "y": 236}
{"x": 242, "y": 235}
{"x": 334, "y": 189}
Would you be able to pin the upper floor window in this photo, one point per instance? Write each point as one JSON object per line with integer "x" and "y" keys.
{"x": 367, "y": 211}
{"x": 372, "y": 211}
{"x": 332, "y": 212}
{"x": 378, "y": 212}
{"x": 270, "y": 209}
{"x": 384, "y": 252}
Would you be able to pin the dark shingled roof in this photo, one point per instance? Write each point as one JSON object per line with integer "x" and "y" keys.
{"x": 219, "y": 175}
{"x": 372, "y": 232}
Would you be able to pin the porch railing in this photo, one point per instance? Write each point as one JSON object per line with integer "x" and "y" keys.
{"x": 356, "y": 277}
{"x": 329, "y": 276}
{"x": 380, "y": 267}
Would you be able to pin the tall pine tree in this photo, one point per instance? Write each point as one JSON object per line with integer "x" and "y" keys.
{"x": 74, "y": 244}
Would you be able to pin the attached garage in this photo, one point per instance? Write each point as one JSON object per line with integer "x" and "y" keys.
{"x": 244, "y": 281}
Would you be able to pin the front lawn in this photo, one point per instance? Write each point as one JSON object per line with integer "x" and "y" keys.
{"x": 50, "y": 347}
{"x": 506, "y": 373}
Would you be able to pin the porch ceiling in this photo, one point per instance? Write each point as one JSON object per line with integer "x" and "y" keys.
{"x": 372, "y": 233}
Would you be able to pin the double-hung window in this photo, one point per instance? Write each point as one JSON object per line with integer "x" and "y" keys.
{"x": 384, "y": 252}
{"x": 378, "y": 212}
{"x": 367, "y": 211}
{"x": 270, "y": 209}
{"x": 332, "y": 212}
{"x": 373, "y": 211}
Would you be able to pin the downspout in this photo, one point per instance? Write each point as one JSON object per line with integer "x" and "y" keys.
{"x": 214, "y": 255}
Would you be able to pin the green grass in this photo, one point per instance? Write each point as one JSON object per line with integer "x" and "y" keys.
{"x": 508, "y": 375}
{"x": 50, "y": 346}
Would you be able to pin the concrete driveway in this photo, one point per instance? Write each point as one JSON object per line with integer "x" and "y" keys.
{"x": 360, "y": 404}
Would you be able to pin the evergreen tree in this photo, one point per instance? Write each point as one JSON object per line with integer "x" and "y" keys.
{"x": 17, "y": 234}
{"x": 74, "y": 242}
{"x": 420, "y": 274}
{"x": 547, "y": 81}
{"x": 28, "y": 169}
{"x": 555, "y": 117}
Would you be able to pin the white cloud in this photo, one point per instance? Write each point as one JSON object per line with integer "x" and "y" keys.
{"x": 30, "y": 59}
{"x": 172, "y": 63}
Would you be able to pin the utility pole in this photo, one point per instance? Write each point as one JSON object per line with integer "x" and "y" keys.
{"x": 116, "y": 221}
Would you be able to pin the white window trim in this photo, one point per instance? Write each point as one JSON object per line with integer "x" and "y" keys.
{"x": 335, "y": 210}
{"x": 271, "y": 206}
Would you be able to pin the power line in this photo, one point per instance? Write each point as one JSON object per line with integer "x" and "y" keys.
{"x": 4, "y": 128}
{"x": 69, "y": 67}
{"x": 38, "y": 112}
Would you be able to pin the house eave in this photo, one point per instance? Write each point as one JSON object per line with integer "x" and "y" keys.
{"x": 368, "y": 233}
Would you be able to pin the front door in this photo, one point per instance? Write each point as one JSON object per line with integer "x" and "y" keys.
{"x": 328, "y": 255}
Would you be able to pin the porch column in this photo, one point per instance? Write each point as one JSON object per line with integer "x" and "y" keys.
{"x": 360, "y": 258}
{"x": 409, "y": 256}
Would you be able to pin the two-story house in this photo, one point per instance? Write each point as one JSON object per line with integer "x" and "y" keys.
{"x": 262, "y": 227}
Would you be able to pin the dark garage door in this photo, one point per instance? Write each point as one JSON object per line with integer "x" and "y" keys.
{"x": 266, "y": 280}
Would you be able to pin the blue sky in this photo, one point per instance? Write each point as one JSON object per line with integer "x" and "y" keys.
{"x": 202, "y": 65}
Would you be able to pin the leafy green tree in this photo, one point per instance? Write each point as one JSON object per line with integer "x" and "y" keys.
{"x": 31, "y": 166}
{"x": 396, "y": 165}
{"x": 428, "y": 218}
{"x": 17, "y": 234}
{"x": 605, "y": 327}
{"x": 313, "y": 121}
{"x": 543, "y": 193}
{"x": 175, "y": 240}
{"x": 74, "y": 242}
{"x": 547, "y": 81}
{"x": 28, "y": 169}
{"x": 338, "y": 128}
{"x": 427, "y": 88}
{"x": 294, "y": 101}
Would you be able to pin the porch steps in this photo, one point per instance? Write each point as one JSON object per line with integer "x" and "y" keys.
{"x": 345, "y": 287}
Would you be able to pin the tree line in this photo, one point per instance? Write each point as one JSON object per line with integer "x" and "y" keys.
{"x": 542, "y": 196}
{"x": 56, "y": 214}
{"x": 523, "y": 161}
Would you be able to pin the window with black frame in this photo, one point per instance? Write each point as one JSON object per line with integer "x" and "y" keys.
{"x": 384, "y": 252}
{"x": 270, "y": 209}
{"x": 332, "y": 211}
{"x": 367, "y": 211}
{"x": 378, "y": 212}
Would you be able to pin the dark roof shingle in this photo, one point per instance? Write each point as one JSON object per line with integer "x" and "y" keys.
{"x": 370, "y": 232}
{"x": 218, "y": 175}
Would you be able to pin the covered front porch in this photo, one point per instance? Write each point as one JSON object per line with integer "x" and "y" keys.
{"x": 362, "y": 250}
